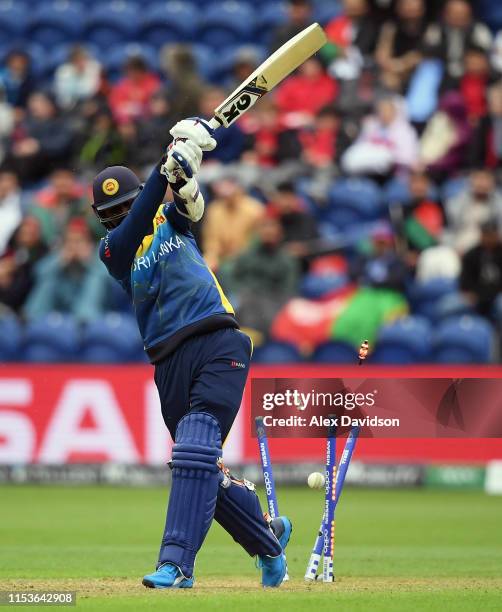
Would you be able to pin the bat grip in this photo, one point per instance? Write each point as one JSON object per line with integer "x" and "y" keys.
{"x": 214, "y": 123}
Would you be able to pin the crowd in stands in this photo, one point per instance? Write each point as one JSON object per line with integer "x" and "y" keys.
{"x": 362, "y": 196}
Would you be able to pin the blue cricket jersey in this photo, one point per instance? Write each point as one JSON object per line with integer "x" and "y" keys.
{"x": 154, "y": 256}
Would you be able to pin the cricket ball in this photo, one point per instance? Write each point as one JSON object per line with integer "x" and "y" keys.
{"x": 315, "y": 480}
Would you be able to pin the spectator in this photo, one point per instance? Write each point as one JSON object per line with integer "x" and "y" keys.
{"x": 481, "y": 277}
{"x": 400, "y": 42}
{"x": 231, "y": 141}
{"x": 474, "y": 206}
{"x": 71, "y": 280}
{"x": 263, "y": 277}
{"x": 449, "y": 39}
{"x": 320, "y": 141}
{"x": 7, "y": 117}
{"x": 299, "y": 17}
{"x": 387, "y": 142}
{"x": 78, "y": 79}
{"x": 301, "y": 96}
{"x": 352, "y": 39}
{"x": 41, "y": 142}
{"x": 423, "y": 222}
{"x": 186, "y": 87}
{"x": 24, "y": 251}
{"x": 153, "y": 132}
{"x": 61, "y": 201}
{"x": 16, "y": 78}
{"x": 102, "y": 145}
{"x": 474, "y": 83}
{"x": 445, "y": 141}
{"x": 230, "y": 222}
{"x": 494, "y": 128}
{"x": 381, "y": 268}
{"x": 246, "y": 60}
{"x": 298, "y": 226}
{"x": 10, "y": 207}
{"x": 129, "y": 98}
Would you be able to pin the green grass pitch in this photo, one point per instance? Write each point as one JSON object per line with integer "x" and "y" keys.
{"x": 395, "y": 550}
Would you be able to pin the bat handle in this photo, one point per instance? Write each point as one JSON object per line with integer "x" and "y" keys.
{"x": 214, "y": 123}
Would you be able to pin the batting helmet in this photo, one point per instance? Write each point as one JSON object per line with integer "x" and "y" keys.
{"x": 114, "y": 190}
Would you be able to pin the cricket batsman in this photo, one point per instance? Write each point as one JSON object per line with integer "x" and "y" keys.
{"x": 201, "y": 358}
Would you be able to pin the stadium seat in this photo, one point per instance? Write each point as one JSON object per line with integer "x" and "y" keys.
{"x": 168, "y": 22}
{"x": 113, "y": 339}
{"x": 10, "y": 339}
{"x": 53, "y": 338}
{"x": 453, "y": 187}
{"x": 324, "y": 12}
{"x": 424, "y": 296}
{"x": 276, "y": 352}
{"x": 206, "y": 61}
{"x": 315, "y": 286}
{"x": 112, "y": 23}
{"x": 466, "y": 339}
{"x": 270, "y": 16}
{"x": 353, "y": 201}
{"x": 225, "y": 61}
{"x": 226, "y": 23}
{"x": 114, "y": 60}
{"x": 451, "y": 305}
{"x": 335, "y": 352}
{"x": 13, "y": 21}
{"x": 404, "y": 341}
{"x": 54, "y": 23}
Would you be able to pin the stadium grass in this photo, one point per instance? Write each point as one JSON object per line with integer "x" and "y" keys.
{"x": 395, "y": 550}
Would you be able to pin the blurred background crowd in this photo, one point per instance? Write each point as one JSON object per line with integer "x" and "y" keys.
{"x": 359, "y": 200}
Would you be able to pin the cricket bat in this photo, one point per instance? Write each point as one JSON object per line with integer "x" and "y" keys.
{"x": 273, "y": 70}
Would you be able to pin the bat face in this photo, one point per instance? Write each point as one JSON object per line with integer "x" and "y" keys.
{"x": 273, "y": 70}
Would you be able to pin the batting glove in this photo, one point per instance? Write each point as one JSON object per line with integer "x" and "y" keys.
{"x": 182, "y": 161}
{"x": 189, "y": 201}
{"x": 197, "y": 130}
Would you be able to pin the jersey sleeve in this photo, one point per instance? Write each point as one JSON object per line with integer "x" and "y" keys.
{"x": 119, "y": 246}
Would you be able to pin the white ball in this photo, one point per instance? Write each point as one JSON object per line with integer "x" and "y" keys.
{"x": 315, "y": 480}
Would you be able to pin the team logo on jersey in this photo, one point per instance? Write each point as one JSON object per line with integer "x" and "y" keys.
{"x": 159, "y": 219}
{"x": 110, "y": 186}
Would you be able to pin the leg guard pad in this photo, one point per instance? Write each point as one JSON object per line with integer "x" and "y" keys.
{"x": 195, "y": 479}
{"x": 238, "y": 511}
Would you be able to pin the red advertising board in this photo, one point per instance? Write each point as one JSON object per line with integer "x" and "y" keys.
{"x": 75, "y": 413}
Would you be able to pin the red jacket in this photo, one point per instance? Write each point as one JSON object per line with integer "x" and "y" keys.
{"x": 129, "y": 100}
{"x": 299, "y": 94}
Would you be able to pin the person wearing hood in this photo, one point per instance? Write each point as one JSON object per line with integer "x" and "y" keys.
{"x": 444, "y": 143}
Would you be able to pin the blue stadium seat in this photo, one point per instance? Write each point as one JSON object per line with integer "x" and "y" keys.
{"x": 112, "y": 23}
{"x": 335, "y": 352}
{"x": 453, "y": 187}
{"x": 424, "y": 296}
{"x": 114, "y": 60}
{"x": 11, "y": 335}
{"x": 13, "y": 21}
{"x": 270, "y": 16}
{"x": 225, "y": 60}
{"x": 451, "y": 305}
{"x": 405, "y": 341}
{"x": 396, "y": 191}
{"x": 466, "y": 339}
{"x": 206, "y": 60}
{"x": 353, "y": 201}
{"x": 113, "y": 339}
{"x": 54, "y": 23}
{"x": 315, "y": 286}
{"x": 38, "y": 56}
{"x": 54, "y": 338}
{"x": 324, "y": 12}
{"x": 227, "y": 23}
{"x": 168, "y": 22}
{"x": 276, "y": 352}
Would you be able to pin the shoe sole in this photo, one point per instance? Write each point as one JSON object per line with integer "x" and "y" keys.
{"x": 151, "y": 585}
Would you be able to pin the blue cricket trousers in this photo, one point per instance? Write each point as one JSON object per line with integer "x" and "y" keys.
{"x": 206, "y": 373}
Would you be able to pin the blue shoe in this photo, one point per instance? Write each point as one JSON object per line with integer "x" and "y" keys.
{"x": 167, "y": 576}
{"x": 274, "y": 569}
